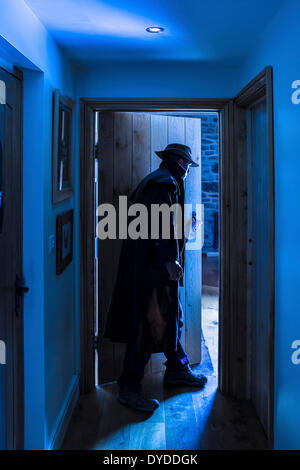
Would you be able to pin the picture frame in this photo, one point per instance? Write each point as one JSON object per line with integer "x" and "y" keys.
{"x": 64, "y": 240}
{"x": 62, "y": 147}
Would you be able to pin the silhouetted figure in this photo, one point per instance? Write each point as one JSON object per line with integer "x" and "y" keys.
{"x": 145, "y": 311}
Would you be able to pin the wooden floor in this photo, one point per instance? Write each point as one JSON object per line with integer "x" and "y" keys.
{"x": 186, "y": 420}
{"x": 210, "y": 307}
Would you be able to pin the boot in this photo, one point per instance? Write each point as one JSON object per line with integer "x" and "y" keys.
{"x": 184, "y": 376}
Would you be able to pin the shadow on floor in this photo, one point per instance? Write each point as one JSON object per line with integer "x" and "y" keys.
{"x": 187, "y": 419}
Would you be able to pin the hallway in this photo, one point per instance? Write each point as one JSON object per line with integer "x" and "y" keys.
{"x": 186, "y": 420}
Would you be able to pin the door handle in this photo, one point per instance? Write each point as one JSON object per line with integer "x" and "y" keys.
{"x": 20, "y": 287}
{"x": 20, "y": 290}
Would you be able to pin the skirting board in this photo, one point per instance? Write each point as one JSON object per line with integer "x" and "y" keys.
{"x": 65, "y": 414}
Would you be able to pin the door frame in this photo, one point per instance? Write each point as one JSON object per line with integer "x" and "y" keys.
{"x": 87, "y": 204}
{"x": 16, "y": 437}
{"x": 261, "y": 87}
{"x": 233, "y": 213}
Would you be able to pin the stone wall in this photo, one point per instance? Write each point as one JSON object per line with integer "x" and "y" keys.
{"x": 210, "y": 176}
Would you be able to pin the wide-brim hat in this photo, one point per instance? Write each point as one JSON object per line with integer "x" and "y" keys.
{"x": 180, "y": 150}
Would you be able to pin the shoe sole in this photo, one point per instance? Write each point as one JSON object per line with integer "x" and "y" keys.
{"x": 180, "y": 382}
{"x": 124, "y": 402}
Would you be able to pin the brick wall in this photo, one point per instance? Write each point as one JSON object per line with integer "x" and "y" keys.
{"x": 210, "y": 176}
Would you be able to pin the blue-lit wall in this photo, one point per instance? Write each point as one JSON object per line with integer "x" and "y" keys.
{"x": 125, "y": 79}
{"x": 279, "y": 47}
{"x": 49, "y": 323}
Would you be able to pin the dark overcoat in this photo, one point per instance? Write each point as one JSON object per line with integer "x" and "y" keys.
{"x": 145, "y": 310}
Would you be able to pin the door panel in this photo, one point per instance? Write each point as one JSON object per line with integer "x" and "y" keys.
{"x": 247, "y": 254}
{"x": 176, "y": 134}
{"x": 11, "y": 383}
{"x": 193, "y": 258}
{"x": 123, "y": 173}
{"x": 127, "y": 154}
{"x": 260, "y": 268}
{"x": 159, "y": 140}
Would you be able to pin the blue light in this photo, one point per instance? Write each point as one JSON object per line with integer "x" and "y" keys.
{"x": 155, "y": 29}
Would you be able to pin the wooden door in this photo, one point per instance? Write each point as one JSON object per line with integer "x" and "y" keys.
{"x": 246, "y": 359}
{"x": 259, "y": 266}
{"x": 11, "y": 324}
{"x": 127, "y": 147}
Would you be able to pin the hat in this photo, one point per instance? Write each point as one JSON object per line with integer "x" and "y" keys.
{"x": 180, "y": 150}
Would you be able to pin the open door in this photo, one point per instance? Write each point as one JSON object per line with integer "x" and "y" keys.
{"x": 11, "y": 289}
{"x": 260, "y": 264}
{"x": 247, "y": 252}
{"x": 126, "y": 154}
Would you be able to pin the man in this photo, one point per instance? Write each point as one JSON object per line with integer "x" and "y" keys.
{"x": 145, "y": 311}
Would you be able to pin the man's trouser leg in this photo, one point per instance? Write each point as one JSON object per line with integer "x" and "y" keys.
{"x": 133, "y": 370}
{"x": 179, "y": 358}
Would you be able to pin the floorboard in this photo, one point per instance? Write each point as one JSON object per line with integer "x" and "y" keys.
{"x": 187, "y": 419}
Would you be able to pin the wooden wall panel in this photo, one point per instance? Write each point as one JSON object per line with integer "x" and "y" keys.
{"x": 141, "y": 147}
{"x": 127, "y": 154}
{"x": 123, "y": 131}
{"x": 141, "y": 159}
{"x": 123, "y": 164}
{"x": 176, "y": 134}
{"x": 239, "y": 256}
{"x": 259, "y": 267}
{"x": 166, "y": 130}
{"x": 176, "y": 130}
{"x": 159, "y": 140}
{"x": 193, "y": 258}
{"x": 124, "y": 161}
{"x": 233, "y": 260}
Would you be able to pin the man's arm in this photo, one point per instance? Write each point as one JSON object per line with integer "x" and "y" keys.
{"x": 165, "y": 251}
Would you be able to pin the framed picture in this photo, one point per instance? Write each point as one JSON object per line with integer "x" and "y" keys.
{"x": 63, "y": 147}
{"x": 64, "y": 240}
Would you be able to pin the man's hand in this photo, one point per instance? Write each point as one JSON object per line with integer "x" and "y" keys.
{"x": 174, "y": 269}
{"x": 195, "y": 223}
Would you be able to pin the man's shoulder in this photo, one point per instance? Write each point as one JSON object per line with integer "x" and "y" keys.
{"x": 162, "y": 176}
{"x": 157, "y": 179}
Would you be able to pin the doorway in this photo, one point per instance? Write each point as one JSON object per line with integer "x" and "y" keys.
{"x": 11, "y": 286}
{"x": 125, "y": 145}
{"x": 236, "y": 315}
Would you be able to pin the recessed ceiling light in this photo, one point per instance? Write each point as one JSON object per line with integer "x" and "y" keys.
{"x": 155, "y": 29}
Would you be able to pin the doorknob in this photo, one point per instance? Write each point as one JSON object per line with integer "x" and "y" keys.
{"x": 20, "y": 290}
{"x": 20, "y": 287}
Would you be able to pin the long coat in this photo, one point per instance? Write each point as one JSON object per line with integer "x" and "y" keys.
{"x": 145, "y": 310}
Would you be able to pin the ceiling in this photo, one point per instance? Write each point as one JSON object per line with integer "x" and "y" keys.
{"x": 210, "y": 31}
